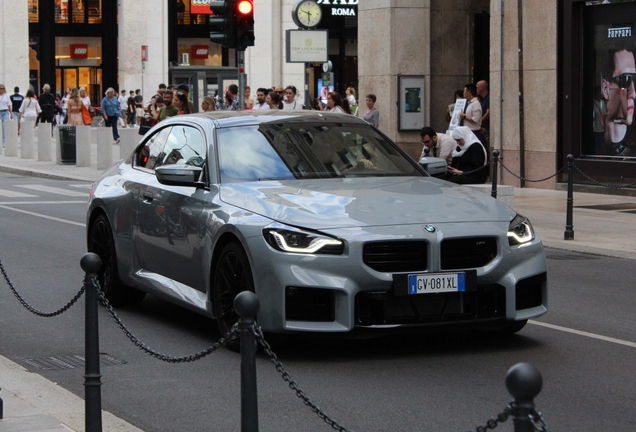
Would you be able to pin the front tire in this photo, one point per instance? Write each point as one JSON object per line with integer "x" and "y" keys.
{"x": 232, "y": 275}
{"x": 101, "y": 242}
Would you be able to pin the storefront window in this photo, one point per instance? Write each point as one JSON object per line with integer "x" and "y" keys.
{"x": 78, "y": 64}
{"x": 200, "y": 52}
{"x": 192, "y": 12}
{"x": 33, "y": 11}
{"x": 610, "y": 80}
{"x": 78, "y": 11}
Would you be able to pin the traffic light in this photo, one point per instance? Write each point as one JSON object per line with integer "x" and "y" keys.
{"x": 244, "y": 24}
{"x": 223, "y": 22}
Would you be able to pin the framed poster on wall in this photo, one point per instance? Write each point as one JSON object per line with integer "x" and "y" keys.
{"x": 410, "y": 102}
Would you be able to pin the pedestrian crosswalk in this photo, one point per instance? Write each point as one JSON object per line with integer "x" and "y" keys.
{"x": 33, "y": 191}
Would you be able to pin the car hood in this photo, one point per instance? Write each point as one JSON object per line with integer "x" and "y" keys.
{"x": 369, "y": 201}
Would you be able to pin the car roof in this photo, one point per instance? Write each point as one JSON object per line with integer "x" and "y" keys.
{"x": 247, "y": 118}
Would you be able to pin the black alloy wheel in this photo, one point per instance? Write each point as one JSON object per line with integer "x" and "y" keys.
{"x": 101, "y": 242}
{"x": 233, "y": 275}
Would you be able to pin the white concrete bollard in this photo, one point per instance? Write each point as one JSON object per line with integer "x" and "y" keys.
{"x": 128, "y": 141}
{"x": 44, "y": 142}
{"x": 83, "y": 145}
{"x": 27, "y": 130}
{"x": 11, "y": 138}
{"x": 93, "y": 134}
{"x": 58, "y": 147}
{"x": 104, "y": 148}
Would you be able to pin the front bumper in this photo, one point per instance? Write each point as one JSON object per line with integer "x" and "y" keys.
{"x": 339, "y": 293}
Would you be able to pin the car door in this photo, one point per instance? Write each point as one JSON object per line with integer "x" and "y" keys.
{"x": 173, "y": 241}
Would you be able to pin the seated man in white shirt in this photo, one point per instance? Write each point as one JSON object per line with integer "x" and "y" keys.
{"x": 260, "y": 104}
{"x": 439, "y": 145}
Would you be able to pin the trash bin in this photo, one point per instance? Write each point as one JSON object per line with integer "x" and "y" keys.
{"x": 68, "y": 152}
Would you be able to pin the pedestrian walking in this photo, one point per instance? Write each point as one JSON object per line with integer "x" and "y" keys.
{"x": 123, "y": 106}
{"x": 30, "y": 108}
{"x": 131, "y": 109}
{"x": 5, "y": 108}
{"x": 16, "y": 103}
{"x": 47, "y": 104}
{"x": 74, "y": 109}
{"x": 110, "y": 111}
{"x": 290, "y": 99}
{"x": 371, "y": 115}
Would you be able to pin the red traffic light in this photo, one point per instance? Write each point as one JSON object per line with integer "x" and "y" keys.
{"x": 245, "y": 7}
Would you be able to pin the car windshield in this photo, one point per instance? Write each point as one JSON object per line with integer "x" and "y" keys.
{"x": 307, "y": 150}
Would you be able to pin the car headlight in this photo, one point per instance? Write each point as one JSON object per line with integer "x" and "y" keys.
{"x": 295, "y": 240}
{"x": 520, "y": 231}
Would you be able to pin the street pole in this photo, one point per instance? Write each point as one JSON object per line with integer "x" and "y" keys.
{"x": 241, "y": 70}
{"x": 307, "y": 101}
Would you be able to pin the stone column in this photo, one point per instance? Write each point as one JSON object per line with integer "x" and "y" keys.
{"x": 539, "y": 34}
{"x": 143, "y": 22}
{"x": 14, "y": 45}
{"x": 26, "y": 139}
{"x": 44, "y": 142}
{"x": 394, "y": 40}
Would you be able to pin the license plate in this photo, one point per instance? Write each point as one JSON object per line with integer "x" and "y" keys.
{"x": 437, "y": 283}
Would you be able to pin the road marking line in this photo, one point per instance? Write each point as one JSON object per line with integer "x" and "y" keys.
{"x": 15, "y": 194}
{"x": 81, "y": 186}
{"x": 54, "y": 190}
{"x": 42, "y": 202}
{"x": 582, "y": 333}
{"x": 43, "y": 216}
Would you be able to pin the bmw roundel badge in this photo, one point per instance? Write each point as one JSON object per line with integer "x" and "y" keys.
{"x": 429, "y": 228}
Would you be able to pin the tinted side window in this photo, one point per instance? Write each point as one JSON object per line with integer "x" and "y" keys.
{"x": 185, "y": 145}
{"x": 151, "y": 153}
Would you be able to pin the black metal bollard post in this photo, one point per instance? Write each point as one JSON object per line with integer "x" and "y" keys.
{"x": 1, "y": 408}
{"x": 523, "y": 382}
{"x": 569, "y": 227}
{"x": 91, "y": 263}
{"x": 493, "y": 174}
{"x": 246, "y": 305}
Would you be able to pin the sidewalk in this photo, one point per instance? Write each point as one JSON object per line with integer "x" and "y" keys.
{"x": 603, "y": 225}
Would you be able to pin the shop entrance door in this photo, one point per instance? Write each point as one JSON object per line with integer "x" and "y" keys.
{"x": 76, "y": 77}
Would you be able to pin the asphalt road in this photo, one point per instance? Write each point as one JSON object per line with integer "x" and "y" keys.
{"x": 433, "y": 382}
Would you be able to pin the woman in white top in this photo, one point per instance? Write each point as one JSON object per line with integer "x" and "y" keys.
{"x": 336, "y": 104}
{"x": 291, "y": 103}
{"x": 351, "y": 96}
{"x": 84, "y": 98}
{"x": 30, "y": 108}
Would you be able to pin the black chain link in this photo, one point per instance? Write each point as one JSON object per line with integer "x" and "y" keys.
{"x": 537, "y": 420}
{"x": 529, "y": 180}
{"x": 495, "y": 421}
{"x": 476, "y": 169}
{"x": 31, "y": 308}
{"x": 258, "y": 332}
{"x": 603, "y": 184}
{"x": 167, "y": 358}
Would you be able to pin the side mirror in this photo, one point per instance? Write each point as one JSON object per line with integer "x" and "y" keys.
{"x": 435, "y": 167}
{"x": 179, "y": 175}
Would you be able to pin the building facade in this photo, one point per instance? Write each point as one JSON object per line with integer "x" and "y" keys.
{"x": 561, "y": 72}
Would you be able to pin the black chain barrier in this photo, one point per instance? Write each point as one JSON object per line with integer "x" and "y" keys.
{"x": 529, "y": 180}
{"x": 476, "y": 169}
{"x": 258, "y": 332}
{"x": 535, "y": 417}
{"x": 603, "y": 184}
{"x": 163, "y": 357}
{"x": 494, "y": 422}
{"x": 31, "y": 308}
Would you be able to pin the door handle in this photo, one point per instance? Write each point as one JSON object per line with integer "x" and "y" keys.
{"x": 149, "y": 196}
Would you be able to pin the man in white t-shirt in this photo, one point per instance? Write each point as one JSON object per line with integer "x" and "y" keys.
{"x": 123, "y": 106}
{"x": 260, "y": 104}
